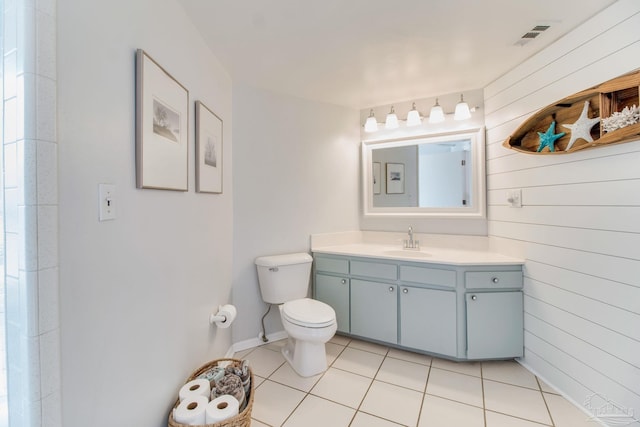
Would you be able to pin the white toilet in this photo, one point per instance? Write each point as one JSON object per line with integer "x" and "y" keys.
{"x": 284, "y": 280}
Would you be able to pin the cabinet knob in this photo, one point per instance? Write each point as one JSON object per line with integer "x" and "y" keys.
{"x": 343, "y": 281}
{"x": 495, "y": 280}
{"x": 473, "y": 297}
{"x": 405, "y": 291}
{"x": 391, "y": 289}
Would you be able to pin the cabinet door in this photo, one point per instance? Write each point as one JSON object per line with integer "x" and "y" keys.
{"x": 374, "y": 310}
{"x": 334, "y": 291}
{"x": 494, "y": 325}
{"x": 428, "y": 320}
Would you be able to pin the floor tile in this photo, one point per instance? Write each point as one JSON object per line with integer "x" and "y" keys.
{"x": 256, "y": 423}
{"x": 342, "y": 387}
{"x": 275, "y": 345}
{"x": 333, "y": 351}
{"x": 517, "y": 401}
{"x": 359, "y": 362}
{"x": 393, "y": 403}
{"x": 365, "y": 420}
{"x": 565, "y": 414}
{"x": 287, "y": 376}
{"x": 409, "y": 356}
{"x": 468, "y": 368}
{"x": 509, "y": 371}
{"x": 546, "y": 387}
{"x": 405, "y": 374}
{"x": 340, "y": 340}
{"x": 369, "y": 346}
{"x": 274, "y": 402}
{"x": 242, "y": 354}
{"x": 264, "y": 362}
{"x": 257, "y": 380}
{"x": 501, "y": 420}
{"x": 455, "y": 386}
{"x": 439, "y": 412}
{"x": 317, "y": 412}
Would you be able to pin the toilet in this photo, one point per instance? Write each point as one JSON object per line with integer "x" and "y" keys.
{"x": 284, "y": 280}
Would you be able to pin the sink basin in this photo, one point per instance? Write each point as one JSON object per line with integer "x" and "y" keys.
{"x": 407, "y": 253}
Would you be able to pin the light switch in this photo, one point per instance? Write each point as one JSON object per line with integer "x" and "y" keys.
{"x": 107, "y": 201}
{"x": 514, "y": 197}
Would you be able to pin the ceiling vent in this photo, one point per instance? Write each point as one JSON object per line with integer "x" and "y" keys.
{"x": 531, "y": 34}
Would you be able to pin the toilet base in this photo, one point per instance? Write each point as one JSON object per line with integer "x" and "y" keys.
{"x": 306, "y": 358}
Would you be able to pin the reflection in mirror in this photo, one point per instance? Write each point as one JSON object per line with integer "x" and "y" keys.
{"x": 439, "y": 175}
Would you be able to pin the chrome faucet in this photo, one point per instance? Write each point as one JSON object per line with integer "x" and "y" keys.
{"x": 410, "y": 243}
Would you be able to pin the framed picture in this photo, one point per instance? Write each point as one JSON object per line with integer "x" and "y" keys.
{"x": 395, "y": 178}
{"x": 162, "y": 117}
{"x": 376, "y": 177}
{"x": 208, "y": 150}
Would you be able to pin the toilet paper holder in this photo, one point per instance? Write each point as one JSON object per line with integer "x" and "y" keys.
{"x": 224, "y": 316}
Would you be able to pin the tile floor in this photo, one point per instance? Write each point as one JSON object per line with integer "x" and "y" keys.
{"x": 369, "y": 385}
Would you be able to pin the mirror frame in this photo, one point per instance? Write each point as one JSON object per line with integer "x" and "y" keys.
{"x": 478, "y": 191}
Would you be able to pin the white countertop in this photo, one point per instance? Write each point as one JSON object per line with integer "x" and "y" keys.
{"x": 431, "y": 255}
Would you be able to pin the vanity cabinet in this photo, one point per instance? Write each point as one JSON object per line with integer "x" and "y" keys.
{"x": 463, "y": 312}
{"x": 428, "y": 320}
{"x": 334, "y": 290}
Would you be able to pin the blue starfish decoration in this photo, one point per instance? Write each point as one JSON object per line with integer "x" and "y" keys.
{"x": 548, "y": 139}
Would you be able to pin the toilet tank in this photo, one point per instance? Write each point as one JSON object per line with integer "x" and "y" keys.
{"x": 284, "y": 277}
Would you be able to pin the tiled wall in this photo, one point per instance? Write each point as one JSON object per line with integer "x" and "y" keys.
{"x": 31, "y": 212}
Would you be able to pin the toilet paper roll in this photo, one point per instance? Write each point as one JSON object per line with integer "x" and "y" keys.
{"x": 222, "y": 408}
{"x": 229, "y": 312}
{"x": 192, "y": 411}
{"x": 197, "y": 387}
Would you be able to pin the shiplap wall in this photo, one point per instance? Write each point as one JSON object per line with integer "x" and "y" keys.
{"x": 579, "y": 228}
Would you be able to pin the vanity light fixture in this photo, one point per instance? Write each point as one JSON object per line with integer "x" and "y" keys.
{"x": 392, "y": 120}
{"x": 462, "y": 110}
{"x": 413, "y": 117}
{"x": 436, "y": 115}
{"x": 371, "y": 125}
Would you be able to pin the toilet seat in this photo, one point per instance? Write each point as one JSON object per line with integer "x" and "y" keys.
{"x": 308, "y": 313}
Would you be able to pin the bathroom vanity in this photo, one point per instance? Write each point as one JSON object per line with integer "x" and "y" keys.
{"x": 463, "y": 305}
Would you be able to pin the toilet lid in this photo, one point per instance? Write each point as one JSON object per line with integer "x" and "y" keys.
{"x": 309, "y": 313}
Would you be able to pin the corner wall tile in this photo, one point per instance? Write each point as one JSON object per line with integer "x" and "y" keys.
{"x": 51, "y": 416}
{"x": 11, "y": 210}
{"x": 29, "y": 319}
{"x": 10, "y": 162}
{"x": 26, "y": 158}
{"x": 46, "y": 45}
{"x": 26, "y": 107}
{"x": 10, "y": 27}
{"x": 28, "y": 220}
{"x": 10, "y": 121}
{"x": 50, "y": 362}
{"x": 26, "y": 38}
{"x": 12, "y": 308}
{"x": 47, "y": 236}
{"x": 47, "y": 173}
{"x": 48, "y": 300}
{"x": 31, "y": 347}
{"x": 46, "y": 6}
{"x": 33, "y": 412}
{"x": 10, "y": 75}
{"x": 12, "y": 252}
{"x": 46, "y": 109}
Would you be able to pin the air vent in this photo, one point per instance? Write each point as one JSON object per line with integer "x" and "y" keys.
{"x": 531, "y": 34}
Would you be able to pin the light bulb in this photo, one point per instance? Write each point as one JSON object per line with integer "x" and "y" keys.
{"x": 436, "y": 115}
{"x": 392, "y": 120}
{"x": 462, "y": 110}
{"x": 371, "y": 125}
{"x": 413, "y": 117}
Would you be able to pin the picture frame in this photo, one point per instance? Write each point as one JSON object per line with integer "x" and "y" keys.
{"x": 395, "y": 178}
{"x": 376, "y": 177}
{"x": 209, "y": 146}
{"x": 162, "y": 127}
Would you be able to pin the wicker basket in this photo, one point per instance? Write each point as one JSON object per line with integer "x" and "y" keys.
{"x": 243, "y": 419}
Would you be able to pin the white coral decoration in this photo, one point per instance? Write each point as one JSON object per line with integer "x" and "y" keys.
{"x": 628, "y": 116}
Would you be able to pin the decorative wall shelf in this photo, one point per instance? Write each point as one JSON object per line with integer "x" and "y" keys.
{"x": 546, "y": 132}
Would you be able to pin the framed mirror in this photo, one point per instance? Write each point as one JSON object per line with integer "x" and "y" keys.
{"x": 439, "y": 175}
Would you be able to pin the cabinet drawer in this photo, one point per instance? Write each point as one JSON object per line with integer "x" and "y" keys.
{"x": 493, "y": 279}
{"x": 332, "y": 265}
{"x": 374, "y": 270}
{"x": 430, "y": 276}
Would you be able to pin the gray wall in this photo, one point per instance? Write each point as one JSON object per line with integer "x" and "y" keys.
{"x": 578, "y": 228}
{"x": 295, "y": 173}
{"x": 136, "y": 292}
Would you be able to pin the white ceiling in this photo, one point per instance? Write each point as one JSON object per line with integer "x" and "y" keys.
{"x": 363, "y": 53}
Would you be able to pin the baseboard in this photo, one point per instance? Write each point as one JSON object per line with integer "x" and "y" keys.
{"x": 580, "y": 407}
{"x": 257, "y": 342}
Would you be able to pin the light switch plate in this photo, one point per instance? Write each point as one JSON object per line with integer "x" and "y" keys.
{"x": 107, "y": 201}
{"x": 514, "y": 198}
